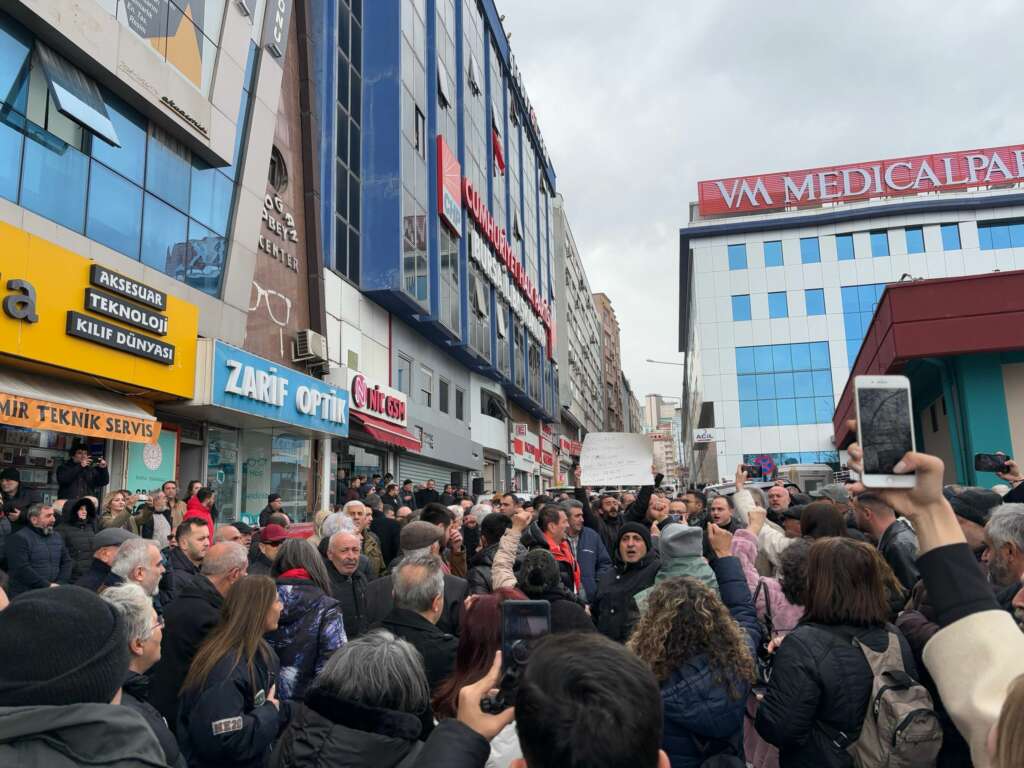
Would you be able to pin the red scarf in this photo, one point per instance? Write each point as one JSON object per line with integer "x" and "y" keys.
{"x": 563, "y": 554}
{"x": 295, "y": 573}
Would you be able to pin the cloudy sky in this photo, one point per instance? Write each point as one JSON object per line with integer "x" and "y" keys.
{"x": 639, "y": 100}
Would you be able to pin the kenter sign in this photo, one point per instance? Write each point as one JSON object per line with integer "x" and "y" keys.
{"x": 860, "y": 181}
{"x": 450, "y": 198}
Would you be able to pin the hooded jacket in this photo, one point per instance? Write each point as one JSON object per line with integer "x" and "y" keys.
{"x": 327, "y": 730}
{"x": 73, "y": 735}
{"x": 682, "y": 554}
{"x": 309, "y": 631}
{"x": 78, "y": 536}
{"x": 696, "y": 706}
{"x": 195, "y": 509}
{"x": 785, "y": 615}
{"x": 135, "y": 696}
{"x": 36, "y": 560}
{"x": 614, "y": 610}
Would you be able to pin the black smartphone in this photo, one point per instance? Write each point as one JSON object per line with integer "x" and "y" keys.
{"x": 991, "y": 462}
{"x": 522, "y": 622}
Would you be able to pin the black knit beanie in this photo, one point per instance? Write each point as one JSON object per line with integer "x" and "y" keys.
{"x": 539, "y": 572}
{"x": 91, "y": 669}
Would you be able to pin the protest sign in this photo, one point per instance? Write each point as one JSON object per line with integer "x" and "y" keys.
{"x": 616, "y": 458}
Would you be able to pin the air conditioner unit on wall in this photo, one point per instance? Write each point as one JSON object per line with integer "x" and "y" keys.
{"x": 309, "y": 347}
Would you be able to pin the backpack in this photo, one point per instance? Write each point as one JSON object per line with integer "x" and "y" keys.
{"x": 901, "y": 729}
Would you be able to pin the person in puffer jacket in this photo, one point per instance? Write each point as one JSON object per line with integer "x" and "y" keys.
{"x": 310, "y": 628}
{"x": 78, "y": 527}
{"x": 701, "y": 649}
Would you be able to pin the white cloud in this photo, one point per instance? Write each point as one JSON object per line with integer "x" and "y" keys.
{"x": 638, "y": 101}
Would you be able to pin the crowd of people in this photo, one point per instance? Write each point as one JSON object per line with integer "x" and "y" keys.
{"x": 761, "y": 627}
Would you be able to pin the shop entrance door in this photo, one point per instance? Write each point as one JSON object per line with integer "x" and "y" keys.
{"x": 190, "y": 466}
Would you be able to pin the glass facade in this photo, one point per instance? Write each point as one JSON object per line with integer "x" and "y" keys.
{"x": 778, "y": 306}
{"x": 810, "y": 251}
{"x": 859, "y": 303}
{"x": 415, "y": 263}
{"x": 149, "y": 199}
{"x": 879, "y": 244}
{"x": 950, "y": 237}
{"x": 773, "y": 253}
{"x": 844, "y": 248}
{"x": 915, "y": 239}
{"x": 814, "y": 301}
{"x": 741, "y": 307}
{"x": 1002, "y": 234}
{"x": 348, "y": 116}
{"x": 784, "y": 384}
{"x": 796, "y": 457}
{"x": 738, "y": 256}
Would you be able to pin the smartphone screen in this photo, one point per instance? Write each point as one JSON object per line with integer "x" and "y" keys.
{"x": 885, "y": 428}
{"x": 523, "y": 620}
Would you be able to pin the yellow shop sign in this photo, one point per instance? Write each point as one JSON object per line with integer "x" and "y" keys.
{"x": 61, "y": 309}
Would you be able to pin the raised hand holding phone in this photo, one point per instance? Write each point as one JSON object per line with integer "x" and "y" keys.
{"x": 885, "y": 431}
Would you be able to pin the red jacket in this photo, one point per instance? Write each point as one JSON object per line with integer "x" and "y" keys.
{"x": 195, "y": 509}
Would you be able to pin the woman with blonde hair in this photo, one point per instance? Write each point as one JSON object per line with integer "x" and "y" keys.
{"x": 116, "y": 512}
{"x": 701, "y": 649}
{"x": 229, "y": 714}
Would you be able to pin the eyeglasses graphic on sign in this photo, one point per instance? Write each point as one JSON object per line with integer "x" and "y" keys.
{"x": 279, "y": 308}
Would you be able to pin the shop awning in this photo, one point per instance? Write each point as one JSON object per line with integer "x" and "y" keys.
{"x": 385, "y": 432}
{"x": 40, "y": 402}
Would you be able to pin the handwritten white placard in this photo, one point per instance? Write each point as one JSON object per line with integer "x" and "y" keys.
{"x": 616, "y": 458}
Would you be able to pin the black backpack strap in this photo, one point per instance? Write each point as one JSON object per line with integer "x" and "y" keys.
{"x": 762, "y": 588}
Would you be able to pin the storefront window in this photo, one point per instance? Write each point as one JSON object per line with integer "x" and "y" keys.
{"x": 275, "y": 461}
{"x": 221, "y": 470}
{"x": 36, "y": 454}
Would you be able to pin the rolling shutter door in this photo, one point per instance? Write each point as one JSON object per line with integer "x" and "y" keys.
{"x": 419, "y": 471}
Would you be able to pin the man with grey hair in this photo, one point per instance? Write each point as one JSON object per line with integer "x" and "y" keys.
{"x": 348, "y": 583}
{"x": 139, "y": 561}
{"x": 144, "y": 634}
{"x": 36, "y": 555}
{"x": 418, "y": 588}
{"x": 1004, "y": 555}
{"x": 228, "y": 532}
{"x": 587, "y": 547}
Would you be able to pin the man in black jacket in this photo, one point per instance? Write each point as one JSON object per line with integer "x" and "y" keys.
{"x": 106, "y": 544}
{"x": 635, "y": 566}
{"x": 491, "y": 531}
{"x": 189, "y": 619}
{"x": 36, "y": 554}
{"x": 895, "y": 539}
{"x": 81, "y": 475}
{"x": 193, "y": 537}
{"x": 407, "y": 496}
{"x": 348, "y": 585}
{"x": 419, "y": 603}
{"x": 387, "y": 530}
{"x": 427, "y": 495}
{"x": 13, "y": 494}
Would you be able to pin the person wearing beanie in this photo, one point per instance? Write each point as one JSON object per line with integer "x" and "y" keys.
{"x": 635, "y": 564}
{"x": 973, "y": 508}
{"x": 418, "y": 537}
{"x": 540, "y": 578}
{"x": 78, "y": 527}
{"x": 36, "y": 555}
{"x": 682, "y": 554}
{"x": 60, "y": 709}
{"x": 274, "y": 504}
{"x": 13, "y": 494}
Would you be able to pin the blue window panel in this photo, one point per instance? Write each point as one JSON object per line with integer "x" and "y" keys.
{"x": 801, "y": 356}
{"x": 164, "y": 235}
{"x": 823, "y": 409}
{"x": 1017, "y": 235}
{"x": 773, "y": 253}
{"x": 915, "y": 240}
{"x": 851, "y": 324}
{"x": 744, "y": 359}
{"x": 784, "y": 385}
{"x": 777, "y": 306}
{"x": 822, "y": 382}
{"x": 805, "y": 410}
{"x": 844, "y": 248}
{"x": 1000, "y": 237}
{"x": 115, "y": 211}
{"x": 741, "y": 307}
{"x": 879, "y": 244}
{"x": 852, "y": 349}
{"x": 15, "y": 46}
{"x": 765, "y": 386}
{"x": 985, "y": 238}
{"x": 865, "y": 323}
{"x": 787, "y": 412}
{"x": 850, "y": 301}
{"x": 763, "y": 359}
{"x": 868, "y": 298}
{"x": 782, "y": 357}
{"x": 950, "y": 237}
{"x": 814, "y": 298}
{"x": 53, "y": 179}
{"x": 803, "y": 384}
{"x": 130, "y": 158}
{"x": 168, "y": 169}
{"x": 11, "y": 142}
{"x": 810, "y": 252}
{"x": 767, "y": 415}
{"x": 819, "y": 355}
{"x": 243, "y": 106}
{"x": 205, "y": 253}
{"x": 747, "y": 387}
{"x": 737, "y": 256}
{"x": 211, "y": 197}
{"x": 748, "y": 414}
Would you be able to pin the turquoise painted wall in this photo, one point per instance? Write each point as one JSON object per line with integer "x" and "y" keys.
{"x": 984, "y": 421}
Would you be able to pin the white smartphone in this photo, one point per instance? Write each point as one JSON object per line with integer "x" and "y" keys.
{"x": 885, "y": 428}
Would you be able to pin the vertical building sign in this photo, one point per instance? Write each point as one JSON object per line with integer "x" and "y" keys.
{"x": 449, "y": 187}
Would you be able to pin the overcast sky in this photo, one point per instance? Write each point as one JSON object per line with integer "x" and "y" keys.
{"x": 639, "y": 100}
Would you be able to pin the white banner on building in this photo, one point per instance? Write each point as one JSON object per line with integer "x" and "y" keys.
{"x": 616, "y": 458}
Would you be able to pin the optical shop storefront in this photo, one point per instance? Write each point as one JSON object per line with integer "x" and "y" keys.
{"x": 86, "y": 357}
{"x": 268, "y": 431}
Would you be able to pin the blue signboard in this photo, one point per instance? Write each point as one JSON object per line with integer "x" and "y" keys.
{"x": 250, "y": 384}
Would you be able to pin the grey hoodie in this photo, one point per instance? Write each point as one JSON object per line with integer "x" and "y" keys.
{"x": 77, "y": 734}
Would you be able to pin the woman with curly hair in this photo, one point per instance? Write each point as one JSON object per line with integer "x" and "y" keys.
{"x": 701, "y": 649}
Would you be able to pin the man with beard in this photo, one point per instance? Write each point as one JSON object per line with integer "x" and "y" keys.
{"x": 1004, "y": 556}
{"x": 36, "y": 554}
